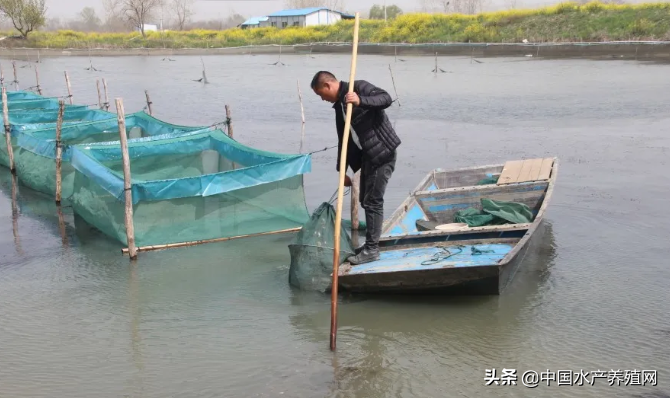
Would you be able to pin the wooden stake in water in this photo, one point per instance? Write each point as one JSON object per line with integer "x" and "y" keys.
{"x": 16, "y": 77}
{"x": 59, "y": 150}
{"x": 146, "y": 92}
{"x": 355, "y": 189}
{"x": 2, "y": 76}
{"x": 104, "y": 84}
{"x": 229, "y": 122}
{"x": 8, "y": 130}
{"x": 394, "y": 89}
{"x": 37, "y": 78}
{"x": 69, "y": 88}
{"x": 302, "y": 115}
{"x": 340, "y": 193}
{"x": 97, "y": 84}
{"x": 127, "y": 183}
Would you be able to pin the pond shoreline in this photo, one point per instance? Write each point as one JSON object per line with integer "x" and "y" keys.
{"x": 599, "y": 50}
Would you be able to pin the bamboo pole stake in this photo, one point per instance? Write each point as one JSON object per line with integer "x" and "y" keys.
{"x": 8, "y": 130}
{"x": 202, "y": 242}
{"x": 69, "y": 88}
{"x": 16, "y": 77}
{"x": 394, "y": 89}
{"x": 146, "y": 92}
{"x": 37, "y": 78}
{"x": 302, "y": 115}
{"x": 229, "y": 122}
{"x": 340, "y": 193}
{"x": 130, "y": 229}
{"x": 97, "y": 83}
{"x": 59, "y": 151}
{"x": 104, "y": 84}
{"x": 15, "y": 214}
{"x": 2, "y": 76}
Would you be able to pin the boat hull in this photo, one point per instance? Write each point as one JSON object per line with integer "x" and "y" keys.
{"x": 403, "y": 267}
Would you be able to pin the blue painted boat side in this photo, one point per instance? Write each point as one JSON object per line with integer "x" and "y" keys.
{"x": 418, "y": 259}
{"x": 408, "y": 223}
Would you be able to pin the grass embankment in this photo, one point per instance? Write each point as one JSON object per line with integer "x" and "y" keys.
{"x": 560, "y": 23}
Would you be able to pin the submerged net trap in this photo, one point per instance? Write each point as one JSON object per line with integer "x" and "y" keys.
{"x": 35, "y": 152}
{"x": 312, "y": 251}
{"x": 196, "y": 186}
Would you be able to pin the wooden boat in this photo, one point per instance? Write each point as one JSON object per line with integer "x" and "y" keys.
{"x": 464, "y": 260}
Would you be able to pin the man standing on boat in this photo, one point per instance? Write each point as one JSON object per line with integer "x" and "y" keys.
{"x": 372, "y": 149}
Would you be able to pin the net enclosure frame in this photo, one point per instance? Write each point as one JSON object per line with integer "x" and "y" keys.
{"x": 255, "y": 193}
{"x": 35, "y": 152}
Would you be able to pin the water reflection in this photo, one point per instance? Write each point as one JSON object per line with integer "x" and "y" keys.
{"x": 383, "y": 337}
{"x": 15, "y": 214}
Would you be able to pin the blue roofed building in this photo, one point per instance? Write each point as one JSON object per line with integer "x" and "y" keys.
{"x": 305, "y": 17}
{"x": 254, "y": 22}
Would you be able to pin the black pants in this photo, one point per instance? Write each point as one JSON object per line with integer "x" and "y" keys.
{"x": 374, "y": 180}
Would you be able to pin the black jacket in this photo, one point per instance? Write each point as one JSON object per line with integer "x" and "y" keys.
{"x": 375, "y": 132}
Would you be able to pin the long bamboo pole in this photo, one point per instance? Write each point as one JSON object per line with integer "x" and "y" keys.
{"x": 104, "y": 84}
{"x": 69, "y": 88}
{"x": 37, "y": 78}
{"x": 302, "y": 115}
{"x": 16, "y": 77}
{"x": 8, "y": 130}
{"x": 59, "y": 151}
{"x": 229, "y": 122}
{"x": 2, "y": 76}
{"x": 340, "y": 193}
{"x": 202, "y": 242}
{"x": 130, "y": 229}
{"x": 97, "y": 84}
{"x": 146, "y": 93}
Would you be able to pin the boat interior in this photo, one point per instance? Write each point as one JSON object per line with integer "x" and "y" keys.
{"x": 441, "y": 194}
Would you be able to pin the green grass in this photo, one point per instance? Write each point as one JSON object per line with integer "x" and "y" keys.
{"x": 560, "y": 23}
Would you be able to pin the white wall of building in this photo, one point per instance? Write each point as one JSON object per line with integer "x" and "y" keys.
{"x": 323, "y": 17}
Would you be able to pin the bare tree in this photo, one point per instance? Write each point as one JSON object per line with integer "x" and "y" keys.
{"x": 137, "y": 12}
{"x": 113, "y": 16}
{"x": 26, "y": 15}
{"x": 436, "y": 5}
{"x": 183, "y": 10}
{"x": 332, "y": 4}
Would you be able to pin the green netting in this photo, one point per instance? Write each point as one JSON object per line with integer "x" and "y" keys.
{"x": 495, "y": 213}
{"x": 35, "y": 151}
{"x": 46, "y": 119}
{"x": 197, "y": 186}
{"x": 22, "y": 95}
{"x": 37, "y": 104}
{"x": 490, "y": 179}
{"x": 4, "y": 157}
{"x": 312, "y": 251}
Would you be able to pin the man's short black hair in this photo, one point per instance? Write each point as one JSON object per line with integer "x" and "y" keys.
{"x": 322, "y": 77}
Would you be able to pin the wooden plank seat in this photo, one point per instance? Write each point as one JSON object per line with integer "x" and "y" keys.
{"x": 459, "y": 231}
{"x": 527, "y": 170}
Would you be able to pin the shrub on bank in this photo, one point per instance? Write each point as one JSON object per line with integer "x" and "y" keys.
{"x": 569, "y": 21}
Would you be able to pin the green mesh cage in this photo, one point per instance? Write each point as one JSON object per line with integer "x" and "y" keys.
{"x": 197, "y": 186}
{"x": 35, "y": 150}
{"x": 38, "y": 104}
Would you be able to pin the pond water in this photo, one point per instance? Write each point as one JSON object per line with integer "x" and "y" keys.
{"x": 220, "y": 320}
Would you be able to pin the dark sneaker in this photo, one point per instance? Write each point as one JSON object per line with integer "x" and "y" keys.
{"x": 360, "y": 249}
{"x": 364, "y": 256}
